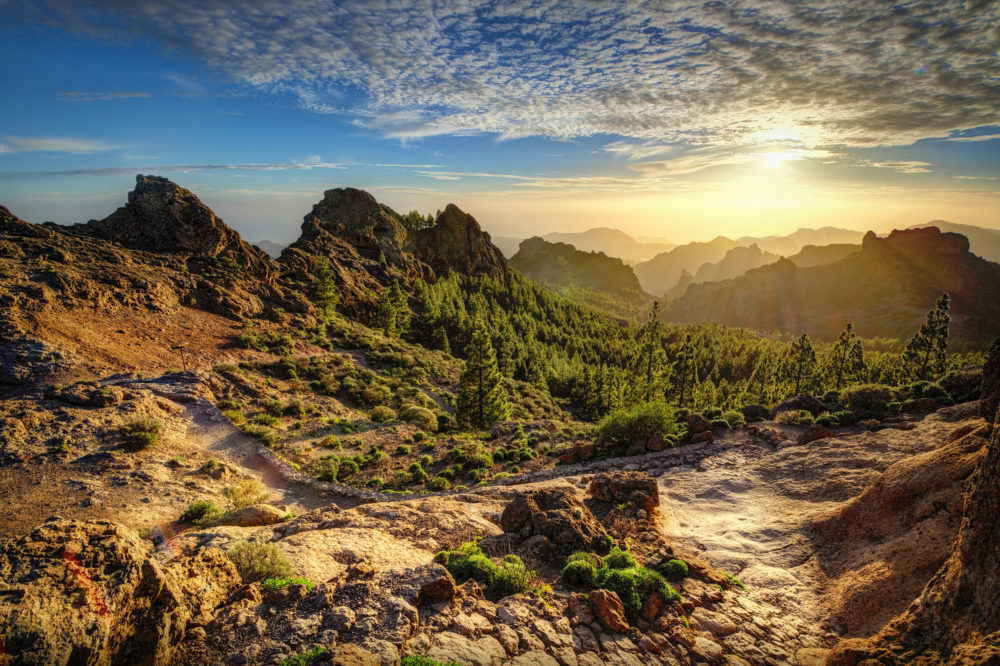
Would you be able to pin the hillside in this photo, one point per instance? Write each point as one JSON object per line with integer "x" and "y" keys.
{"x": 885, "y": 290}
{"x": 612, "y": 242}
{"x": 791, "y": 243}
{"x": 661, "y": 273}
{"x": 736, "y": 262}
{"x": 819, "y": 255}
{"x": 590, "y": 277}
{"x": 982, "y": 242}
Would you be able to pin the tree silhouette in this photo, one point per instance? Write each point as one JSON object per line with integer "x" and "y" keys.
{"x": 926, "y": 352}
{"x": 801, "y": 362}
{"x": 848, "y": 358}
{"x": 684, "y": 371}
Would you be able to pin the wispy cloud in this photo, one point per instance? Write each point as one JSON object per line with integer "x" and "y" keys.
{"x": 905, "y": 166}
{"x": 23, "y": 144}
{"x": 696, "y": 73}
{"x": 82, "y": 96}
{"x": 980, "y": 137}
{"x": 303, "y": 165}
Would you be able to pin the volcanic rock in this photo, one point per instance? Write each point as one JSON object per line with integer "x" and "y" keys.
{"x": 554, "y": 513}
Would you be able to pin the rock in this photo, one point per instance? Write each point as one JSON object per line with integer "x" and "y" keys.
{"x": 85, "y": 394}
{"x": 433, "y": 583}
{"x": 449, "y": 646}
{"x": 697, "y": 423}
{"x": 702, "y": 437}
{"x": 714, "y": 623}
{"x": 636, "y": 448}
{"x": 807, "y": 402}
{"x": 989, "y": 402}
{"x": 617, "y": 487}
{"x": 755, "y": 413}
{"x": 919, "y": 405}
{"x": 608, "y": 609}
{"x": 339, "y": 618}
{"x": 514, "y": 611}
{"x": 125, "y": 607}
{"x": 456, "y": 242}
{"x": 507, "y": 638}
{"x": 655, "y": 444}
{"x": 257, "y": 515}
{"x": 652, "y": 606}
{"x": 554, "y": 513}
{"x": 705, "y": 649}
{"x": 352, "y": 655}
{"x": 648, "y": 645}
{"x": 533, "y": 658}
{"x": 579, "y": 452}
{"x": 813, "y": 433}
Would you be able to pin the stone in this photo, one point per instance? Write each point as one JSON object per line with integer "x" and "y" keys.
{"x": 555, "y": 514}
{"x": 705, "y": 649}
{"x": 919, "y": 405}
{"x": 449, "y": 646}
{"x": 813, "y": 433}
{"x": 808, "y": 403}
{"x": 755, "y": 413}
{"x": 352, "y": 655}
{"x": 712, "y": 622}
{"x": 433, "y": 583}
{"x": 702, "y": 437}
{"x": 513, "y": 611}
{"x": 697, "y": 423}
{"x": 617, "y": 487}
{"x": 533, "y": 658}
{"x": 655, "y": 444}
{"x": 257, "y": 515}
{"x": 608, "y": 609}
{"x": 507, "y": 638}
{"x": 339, "y": 618}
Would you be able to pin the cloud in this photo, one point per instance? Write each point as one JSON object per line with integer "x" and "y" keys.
{"x": 14, "y": 144}
{"x": 980, "y": 137}
{"x": 904, "y": 166}
{"x": 304, "y": 165}
{"x": 976, "y": 178}
{"x": 816, "y": 72}
{"x": 80, "y": 96}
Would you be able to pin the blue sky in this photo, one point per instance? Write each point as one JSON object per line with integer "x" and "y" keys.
{"x": 680, "y": 120}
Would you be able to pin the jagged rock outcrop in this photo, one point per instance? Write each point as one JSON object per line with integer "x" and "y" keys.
{"x": 573, "y": 272}
{"x": 163, "y": 217}
{"x": 956, "y": 619}
{"x": 126, "y": 607}
{"x": 456, "y": 242}
{"x": 555, "y": 514}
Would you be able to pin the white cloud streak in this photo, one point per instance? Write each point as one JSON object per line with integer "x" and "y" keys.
{"x": 82, "y": 96}
{"x": 23, "y": 144}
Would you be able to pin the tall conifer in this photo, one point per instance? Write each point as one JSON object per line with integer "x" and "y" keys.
{"x": 482, "y": 400}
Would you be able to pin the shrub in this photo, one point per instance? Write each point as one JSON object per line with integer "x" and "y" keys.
{"x": 827, "y": 419}
{"x": 794, "y": 417}
{"x": 438, "y": 483}
{"x": 510, "y": 577}
{"x": 265, "y": 420}
{"x": 733, "y": 580}
{"x": 307, "y": 657}
{"x": 426, "y": 460}
{"x": 201, "y": 513}
{"x": 275, "y": 584}
{"x": 868, "y": 398}
{"x": 261, "y": 433}
{"x": 348, "y": 467}
{"x": 327, "y": 469}
{"x": 620, "y": 559}
{"x": 624, "y": 426}
{"x": 634, "y": 585}
{"x": 247, "y": 493}
{"x": 418, "y": 472}
{"x": 382, "y": 414}
{"x": 331, "y": 442}
{"x": 273, "y": 407}
{"x": 141, "y": 440}
{"x": 143, "y": 423}
{"x": 402, "y": 449}
{"x": 234, "y": 415}
{"x": 606, "y": 543}
{"x": 733, "y": 418}
{"x": 294, "y": 408}
{"x": 468, "y": 561}
{"x": 720, "y": 423}
{"x": 673, "y": 570}
{"x": 420, "y": 417}
{"x": 579, "y": 573}
{"x": 259, "y": 561}
{"x": 416, "y": 660}
{"x": 846, "y": 418}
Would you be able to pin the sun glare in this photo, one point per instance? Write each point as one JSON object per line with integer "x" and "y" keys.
{"x": 774, "y": 160}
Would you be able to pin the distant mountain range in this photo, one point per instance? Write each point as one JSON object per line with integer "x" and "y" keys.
{"x": 885, "y": 289}
{"x": 736, "y": 262}
{"x": 612, "y": 242}
{"x": 590, "y": 277}
{"x": 982, "y": 242}
{"x": 271, "y": 248}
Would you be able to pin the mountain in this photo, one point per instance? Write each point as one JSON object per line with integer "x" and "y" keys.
{"x": 271, "y": 248}
{"x": 585, "y": 276}
{"x": 612, "y": 242}
{"x": 736, "y": 262}
{"x": 983, "y": 242}
{"x": 818, "y": 255}
{"x": 507, "y": 244}
{"x": 793, "y": 242}
{"x": 885, "y": 290}
{"x": 664, "y": 271}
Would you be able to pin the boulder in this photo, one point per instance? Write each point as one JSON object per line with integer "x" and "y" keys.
{"x": 618, "y": 487}
{"x": 813, "y": 433}
{"x": 919, "y": 405}
{"x": 697, "y": 423}
{"x": 257, "y": 515}
{"x": 433, "y": 583}
{"x": 756, "y": 413}
{"x": 554, "y": 513}
{"x": 124, "y": 606}
{"x": 609, "y": 610}
{"x": 809, "y": 403}
{"x": 990, "y": 393}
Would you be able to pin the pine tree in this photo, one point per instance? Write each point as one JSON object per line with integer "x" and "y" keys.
{"x": 324, "y": 289}
{"x": 847, "y": 358}
{"x": 801, "y": 363}
{"x": 400, "y": 308}
{"x": 482, "y": 400}
{"x": 385, "y": 314}
{"x": 684, "y": 372}
{"x": 926, "y": 352}
{"x": 440, "y": 340}
{"x": 651, "y": 356}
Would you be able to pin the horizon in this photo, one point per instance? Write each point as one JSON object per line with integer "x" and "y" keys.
{"x": 656, "y": 120}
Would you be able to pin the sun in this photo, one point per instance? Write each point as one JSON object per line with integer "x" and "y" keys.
{"x": 774, "y": 160}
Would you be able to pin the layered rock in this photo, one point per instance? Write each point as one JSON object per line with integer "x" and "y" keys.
{"x": 162, "y": 217}
{"x": 456, "y": 242}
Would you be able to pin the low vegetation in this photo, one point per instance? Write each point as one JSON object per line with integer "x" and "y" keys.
{"x": 500, "y": 579}
{"x": 620, "y": 572}
{"x": 258, "y": 562}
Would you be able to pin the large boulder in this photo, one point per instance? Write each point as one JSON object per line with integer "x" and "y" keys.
{"x": 808, "y": 403}
{"x": 253, "y": 516}
{"x": 91, "y": 593}
{"x": 617, "y": 487}
{"x": 554, "y": 513}
{"x": 990, "y": 393}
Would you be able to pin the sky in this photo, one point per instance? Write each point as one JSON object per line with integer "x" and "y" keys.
{"x": 671, "y": 120}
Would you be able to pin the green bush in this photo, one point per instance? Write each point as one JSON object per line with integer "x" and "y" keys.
{"x": 307, "y": 657}
{"x": 328, "y": 469}
{"x": 247, "y": 493}
{"x": 720, "y": 423}
{"x": 259, "y": 561}
{"x": 634, "y": 585}
{"x": 141, "y": 440}
{"x": 846, "y": 418}
{"x": 580, "y": 574}
{"x": 265, "y": 420}
{"x": 201, "y": 513}
{"x": 620, "y": 559}
{"x": 420, "y": 417}
{"x": 673, "y": 570}
{"x": 733, "y": 418}
{"x": 868, "y": 398}
{"x": 510, "y": 577}
{"x": 142, "y": 431}
{"x": 402, "y": 449}
{"x": 468, "y": 561}
{"x": 622, "y": 427}
{"x": 438, "y": 483}
{"x": 416, "y": 660}
{"x": 331, "y": 442}
{"x": 262, "y": 434}
{"x": 348, "y": 467}
{"x": 794, "y": 417}
{"x": 275, "y": 584}
{"x": 382, "y": 414}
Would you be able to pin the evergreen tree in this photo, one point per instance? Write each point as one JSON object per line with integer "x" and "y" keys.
{"x": 926, "y": 351}
{"x": 684, "y": 372}
{"x": 482, "y": 400}
{"x": 400, "y": 308}
{"x": 801, "y": 363}
{"x": 651, "y": 356}
{"x": 392, "y": 312}
{"x": 847, "y": 358}
{"x": 324, "y": 289}
{"x": 440, "y": 340}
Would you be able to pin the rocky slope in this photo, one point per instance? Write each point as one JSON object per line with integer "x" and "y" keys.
{"x": 662, "y": 273}
{"x": 982, "y": 242}
{"x": 735, "y": 262}
{"x": 886, "y": 289}
{"x": 567, "y": 270}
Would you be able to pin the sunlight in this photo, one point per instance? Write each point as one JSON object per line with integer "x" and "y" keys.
{"x": 774, "y": 160}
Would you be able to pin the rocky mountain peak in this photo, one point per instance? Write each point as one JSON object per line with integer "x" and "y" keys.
{"x": 356, "y": 217}
{"x": 161, "y": 216}
{"x": 923, "y": 240}
{"x": 457, "y": 242}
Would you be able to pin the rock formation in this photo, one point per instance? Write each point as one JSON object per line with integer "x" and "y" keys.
{"x": 163, "y": 217}
{"x": 456, "y": 242}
